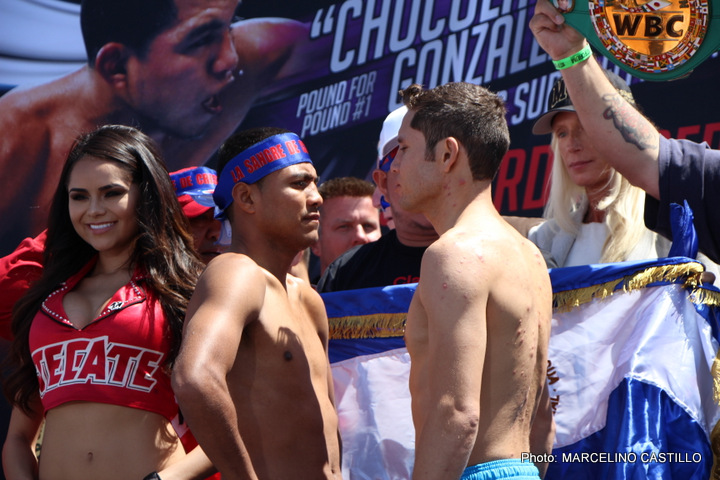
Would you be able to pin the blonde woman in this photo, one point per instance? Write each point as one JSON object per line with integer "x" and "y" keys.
{"x": 594, "y": 215}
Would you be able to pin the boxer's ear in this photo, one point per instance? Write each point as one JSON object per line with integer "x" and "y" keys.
{"x": 244, "y": 197}
{"x": 111, "y": 63}
{"x": 448, "y": 150}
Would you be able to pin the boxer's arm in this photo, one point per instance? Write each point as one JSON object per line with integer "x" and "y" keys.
{"x": 228, "y": 296}
{"x": 455, "y": 359}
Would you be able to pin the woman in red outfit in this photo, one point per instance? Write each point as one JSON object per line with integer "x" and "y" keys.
{"x": 96, "y": 335}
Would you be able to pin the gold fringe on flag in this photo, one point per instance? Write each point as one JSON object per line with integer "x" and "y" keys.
{"x": 687, "y": 274}
{"x": 715, "y": 447}
{"x": 715, "y": 371}
{"x": 706, "y": 297}
{"x": 378, "y": 325}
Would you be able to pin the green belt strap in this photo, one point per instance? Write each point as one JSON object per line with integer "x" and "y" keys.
{"x": 650, "y": 39}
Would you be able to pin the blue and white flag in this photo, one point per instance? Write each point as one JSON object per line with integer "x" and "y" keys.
{"x": 630, "y": 374}
{"x": 630, "y": 371}
{"x": 371, "y": 367}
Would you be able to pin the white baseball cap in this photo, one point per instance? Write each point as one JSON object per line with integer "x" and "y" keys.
{"x": 389, "y": 132}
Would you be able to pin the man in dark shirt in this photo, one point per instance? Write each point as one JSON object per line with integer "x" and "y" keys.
{"x": 394, "y": 259}
{"x": 348, "y": 218}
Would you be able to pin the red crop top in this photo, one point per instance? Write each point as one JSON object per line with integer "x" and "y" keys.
{"x": 118, "y": 359}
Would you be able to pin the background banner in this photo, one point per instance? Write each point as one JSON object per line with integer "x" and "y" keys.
{"x": 358, "y": 54}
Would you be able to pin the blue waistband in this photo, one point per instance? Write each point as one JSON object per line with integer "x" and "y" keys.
{"x": 499, "y": 469}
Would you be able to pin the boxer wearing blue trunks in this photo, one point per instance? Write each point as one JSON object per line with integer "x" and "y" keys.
{"x": 477, "y": 331}
{"x": 500, "y": 469}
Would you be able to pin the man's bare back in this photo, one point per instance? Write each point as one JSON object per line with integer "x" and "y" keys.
{"x": 493, "y": 327}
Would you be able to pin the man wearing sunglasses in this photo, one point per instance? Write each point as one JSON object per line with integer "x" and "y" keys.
{"x": 395, "y": 258}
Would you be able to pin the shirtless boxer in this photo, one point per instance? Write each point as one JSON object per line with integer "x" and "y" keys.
{"x": 479, "y": 323}
{"x": 253, "y": 377}
{"x": 179, "y": 71}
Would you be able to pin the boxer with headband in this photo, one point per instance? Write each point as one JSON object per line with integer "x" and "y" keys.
{"x": 261, "y": 159}
{"x": 253, "y": 374}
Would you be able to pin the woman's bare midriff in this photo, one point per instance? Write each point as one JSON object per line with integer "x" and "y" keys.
{"x": 95, "y": 440}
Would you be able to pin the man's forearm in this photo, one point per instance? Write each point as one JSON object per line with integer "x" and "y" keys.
{"x": 210, "y": 413}
{"x": 443, "y": 449}
{"x": 627, "y": 140}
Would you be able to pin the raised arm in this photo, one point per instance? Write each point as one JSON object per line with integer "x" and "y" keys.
{"x": 268, "y": 50}
{"x": 628, "y": 140}
{"x": 271, "y": 48}
{"x": 456, "y": 336}
{"x": 227, "y": 298}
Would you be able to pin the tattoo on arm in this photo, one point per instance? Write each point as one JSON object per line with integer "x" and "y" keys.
{"x": 633, "y": 127}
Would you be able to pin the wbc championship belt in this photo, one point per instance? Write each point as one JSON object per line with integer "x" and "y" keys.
{"x": 650, "y": 39}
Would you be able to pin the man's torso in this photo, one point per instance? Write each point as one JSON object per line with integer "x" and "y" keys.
{"x": 279, "y": 384}
{"x": 517, "y": 316}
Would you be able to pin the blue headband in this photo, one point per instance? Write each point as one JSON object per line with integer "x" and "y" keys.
{"x": 198, "y": 182}
{"x": 265, "y": 157}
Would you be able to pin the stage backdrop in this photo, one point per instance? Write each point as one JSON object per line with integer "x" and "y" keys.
{"x": 362, "y": 53}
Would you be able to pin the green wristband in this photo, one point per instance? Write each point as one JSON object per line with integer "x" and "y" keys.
{"x": 573, "y": 59}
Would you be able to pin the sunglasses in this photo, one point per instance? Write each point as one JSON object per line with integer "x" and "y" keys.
{"x": 386, "y": 161}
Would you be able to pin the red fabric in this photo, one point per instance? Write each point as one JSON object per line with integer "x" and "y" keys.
{"x": 190, "y": 207}
{"x": 119, "y": 358}
{"x": 17, "y": 271}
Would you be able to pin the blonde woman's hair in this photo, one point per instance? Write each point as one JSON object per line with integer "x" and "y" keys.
{"x": 623, "y": 206}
